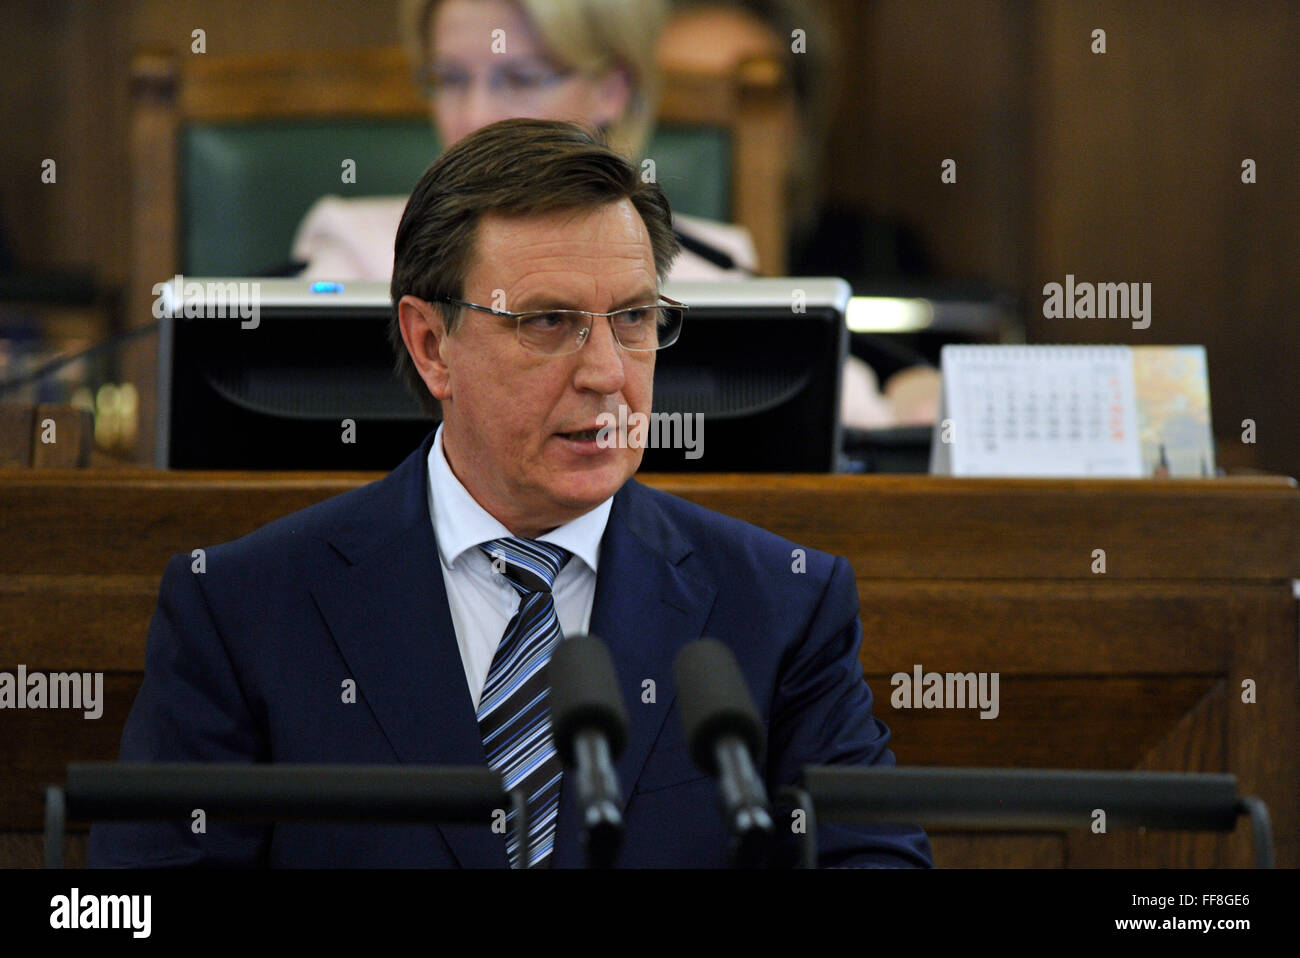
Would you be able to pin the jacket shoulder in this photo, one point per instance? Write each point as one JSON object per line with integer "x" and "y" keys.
{"x": 289, "y": 536}
{"x": 727, "y": 542}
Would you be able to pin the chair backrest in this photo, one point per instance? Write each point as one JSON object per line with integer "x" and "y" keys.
{"x": 246, "y": 143}
{"x": 267, "y": 175}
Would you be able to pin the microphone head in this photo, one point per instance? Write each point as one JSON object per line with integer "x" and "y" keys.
{"x": 715, "y": 702}
{"x": 585, "y": 696}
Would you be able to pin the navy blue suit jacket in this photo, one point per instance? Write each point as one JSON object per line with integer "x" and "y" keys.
{"x": 246, "y": 663}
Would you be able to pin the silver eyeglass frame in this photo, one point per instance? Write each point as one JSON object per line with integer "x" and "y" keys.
{"x": 583, "y": 337}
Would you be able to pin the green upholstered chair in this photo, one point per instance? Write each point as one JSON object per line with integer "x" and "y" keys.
{"x": 246, "y": 186}
{"x": 230, "y": 152}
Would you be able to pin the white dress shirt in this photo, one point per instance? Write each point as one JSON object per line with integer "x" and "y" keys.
{"x": 482, "y": 602}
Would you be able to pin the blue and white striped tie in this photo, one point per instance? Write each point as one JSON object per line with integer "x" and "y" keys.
{"x": 514, "y": 712}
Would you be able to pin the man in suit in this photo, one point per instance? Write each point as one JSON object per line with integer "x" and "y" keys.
{"x": 410, "y": 620}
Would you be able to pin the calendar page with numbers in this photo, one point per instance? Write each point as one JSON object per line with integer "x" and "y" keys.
{"x": 1073, "y": 411}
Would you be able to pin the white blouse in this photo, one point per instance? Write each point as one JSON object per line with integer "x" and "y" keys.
{"x": 353, "y": 239}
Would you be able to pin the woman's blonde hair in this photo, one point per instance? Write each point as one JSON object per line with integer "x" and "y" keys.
{"x": 586, "y": 35}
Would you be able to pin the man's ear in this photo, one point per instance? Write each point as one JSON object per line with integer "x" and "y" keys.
{"x": 425, "y": 336}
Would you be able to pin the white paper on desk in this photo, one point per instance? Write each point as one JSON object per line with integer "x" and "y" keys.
{"x": 1037, "y": 411}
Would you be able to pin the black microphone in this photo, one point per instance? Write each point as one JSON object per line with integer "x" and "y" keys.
{"x": 724, "y": 733}
{"x": 710, "y": 253}
{"x": 590, "y": 728}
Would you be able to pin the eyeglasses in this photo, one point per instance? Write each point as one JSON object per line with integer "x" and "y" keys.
{"x": 558, "y": 332}
{"x": 518, "y": 81}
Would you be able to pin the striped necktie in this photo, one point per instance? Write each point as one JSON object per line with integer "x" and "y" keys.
{"x": 514, "y": 712}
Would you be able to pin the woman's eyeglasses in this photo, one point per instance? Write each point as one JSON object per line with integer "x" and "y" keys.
{"x": 518, "y": 81}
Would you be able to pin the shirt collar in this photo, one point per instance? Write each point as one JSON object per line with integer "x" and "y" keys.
{"x": 461, "y": 524}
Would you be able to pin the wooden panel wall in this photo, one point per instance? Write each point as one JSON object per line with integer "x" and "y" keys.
{"x": 1138, "y": 669}
{"x": 1124, "y": 166}
{"x": 65, "y": 77}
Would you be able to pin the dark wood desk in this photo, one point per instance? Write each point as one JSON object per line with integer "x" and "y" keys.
{"x": 1141, "y": 667}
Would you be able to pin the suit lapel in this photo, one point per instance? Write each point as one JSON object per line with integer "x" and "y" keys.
{"x": 645, "y": 610}
{"x": 388, "y": 613}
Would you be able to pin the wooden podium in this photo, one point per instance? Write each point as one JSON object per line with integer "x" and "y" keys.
{"x": 1181, "y": 655}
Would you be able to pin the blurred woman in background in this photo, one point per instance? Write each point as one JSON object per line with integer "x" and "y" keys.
{"x": 479, "y": 61}
{"x": 597, "y": 62}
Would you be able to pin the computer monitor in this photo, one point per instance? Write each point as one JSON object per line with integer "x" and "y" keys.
{"x": 264, "y": 374}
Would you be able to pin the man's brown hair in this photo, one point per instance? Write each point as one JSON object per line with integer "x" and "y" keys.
{"x": 511, "y": 168}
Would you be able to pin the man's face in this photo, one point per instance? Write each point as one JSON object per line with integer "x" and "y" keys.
{"x": 508, "y": 412}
